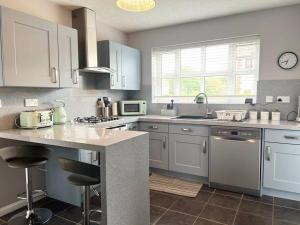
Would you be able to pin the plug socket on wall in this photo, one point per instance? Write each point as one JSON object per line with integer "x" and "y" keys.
{"x": 283, "y": 99}
{"x": 31, "y": 102}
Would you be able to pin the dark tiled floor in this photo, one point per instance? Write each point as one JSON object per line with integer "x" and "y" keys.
{"x": 64, "y": 213}
{"x": 218, "y": 207}
{"x": 210, "y": 207}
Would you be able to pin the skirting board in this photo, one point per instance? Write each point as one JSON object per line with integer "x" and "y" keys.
{"x": 17, "y": 205}
{"x": 281, "y": 194}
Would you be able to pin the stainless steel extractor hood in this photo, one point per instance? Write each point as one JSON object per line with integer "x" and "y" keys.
{"x": 84, "y": 20}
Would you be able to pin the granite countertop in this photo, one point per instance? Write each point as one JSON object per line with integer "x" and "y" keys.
{"x": 96, "y": 137}
{"x": 71, "y": 136}
{"x": 269, "y": 124}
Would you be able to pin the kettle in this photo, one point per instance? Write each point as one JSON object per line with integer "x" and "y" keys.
{"x": 59, "y": 113}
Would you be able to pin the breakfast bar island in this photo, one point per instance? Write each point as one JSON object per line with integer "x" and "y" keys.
{"x": 124, "y": 165}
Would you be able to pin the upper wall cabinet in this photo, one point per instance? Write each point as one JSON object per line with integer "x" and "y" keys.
{"x": 110, "y": 55}
{"x": 124, "y": 61}
{"x": 29, "y": 50}
{"x": 131, "y": 68}
{"x": 68, "y": 56}
{"x": 36, "y": 52}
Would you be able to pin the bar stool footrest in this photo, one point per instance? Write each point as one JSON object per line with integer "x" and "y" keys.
{"x": 35, "y": 193}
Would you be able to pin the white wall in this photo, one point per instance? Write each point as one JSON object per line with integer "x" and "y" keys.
{"x": 41, "y": 8}
{"x": 105, "y": 32}
{"x": 58, "y": 14}
{"x": 279, "y": 29}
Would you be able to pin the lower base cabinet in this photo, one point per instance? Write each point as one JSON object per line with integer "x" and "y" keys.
{"x": 282, "y": 167}
{"x": 158, "y": 150}
{"x": 188, "y": 154}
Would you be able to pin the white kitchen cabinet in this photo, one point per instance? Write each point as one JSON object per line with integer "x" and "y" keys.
{"x": 125, "y": 63}
{"x": 282, "y": 167}
{"x": 158, "y": 150}
{"x": 68, "y": 56}
{"x": 131, "y": 69}
{"x": 154, "y": 127}
{"x": 188, "y": 154}
{"x": 110, "y": 55}
{"x": 29, "y": 50}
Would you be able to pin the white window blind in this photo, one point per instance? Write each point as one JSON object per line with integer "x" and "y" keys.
{"x": 226, "y": 70}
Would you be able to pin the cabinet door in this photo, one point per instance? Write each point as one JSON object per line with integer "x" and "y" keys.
{"x": 158, "y": 150}
{"x": 281, "y": 167}
{"x": 68, "y": 56}
{"x": 115, "y": 58}
{"x": 130, "y": 68}
{"x": 188, "y": 154}
{"x": 30, "y": 51}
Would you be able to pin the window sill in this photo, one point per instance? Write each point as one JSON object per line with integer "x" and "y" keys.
{"x": 233, "y": 100}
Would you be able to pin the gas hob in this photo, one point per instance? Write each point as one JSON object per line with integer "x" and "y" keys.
{"x": 94, "y": 119}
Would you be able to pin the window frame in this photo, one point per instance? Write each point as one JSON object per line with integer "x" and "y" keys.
{"x": 231, "y": 97}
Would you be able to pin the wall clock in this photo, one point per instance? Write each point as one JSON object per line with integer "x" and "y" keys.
{"x": 288, "y": 60}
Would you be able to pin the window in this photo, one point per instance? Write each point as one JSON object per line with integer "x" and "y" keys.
{"x": 227, "y": 71}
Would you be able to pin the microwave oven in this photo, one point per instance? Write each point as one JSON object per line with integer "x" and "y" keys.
{"x": 132, "y": 108}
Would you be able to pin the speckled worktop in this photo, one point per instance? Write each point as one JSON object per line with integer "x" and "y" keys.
{"x": 281, "y": 125}
{"x": 96, "y": 137}
{"x": 71, "y": 136}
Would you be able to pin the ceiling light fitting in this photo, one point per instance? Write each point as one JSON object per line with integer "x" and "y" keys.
{"x": 136, "y": 5}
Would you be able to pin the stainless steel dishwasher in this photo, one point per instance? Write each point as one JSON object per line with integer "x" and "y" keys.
{"x": 235, "y": 159}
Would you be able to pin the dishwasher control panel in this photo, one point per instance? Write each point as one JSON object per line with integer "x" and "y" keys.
{"x": 236, "y": 132}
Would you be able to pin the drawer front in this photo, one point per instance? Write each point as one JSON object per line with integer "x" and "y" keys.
{"x": 282, "y": 136}
{"x": 154, "y": 127}
{"x": 188, "y": 129}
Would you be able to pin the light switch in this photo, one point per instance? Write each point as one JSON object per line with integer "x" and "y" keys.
{"x": 269, "y": 99}
{"x": 31, "y": 102}
{"x": 0, "y": 103}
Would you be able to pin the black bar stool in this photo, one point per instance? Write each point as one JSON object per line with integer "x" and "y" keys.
{"x": 26, "y": 157}
{"x": 84, "y": 175}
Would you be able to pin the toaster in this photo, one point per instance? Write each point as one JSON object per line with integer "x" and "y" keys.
{"x": 36, "y": 119}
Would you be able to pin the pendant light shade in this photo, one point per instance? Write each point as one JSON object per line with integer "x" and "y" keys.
{"x": 136, "y": 5}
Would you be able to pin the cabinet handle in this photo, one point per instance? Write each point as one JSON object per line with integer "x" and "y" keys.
{"x": 268, "y": 153}
{"x": 123, "y": 81}
{"x": 117, "y": 62}
{"x": 292, "y": 137}
{"x": 153, "y": 127}
{"x": 164, "y": 142}
{"x": 54, "y": 75}
{"x": 112, "y": 80}
{"x": 91, "y": 157}
{"x": 204, "y": 146}
{"x": 186, "y": 129}
{"x": 75, "y": 76}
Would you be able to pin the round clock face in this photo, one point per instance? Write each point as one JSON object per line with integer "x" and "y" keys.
{"x": 288, "y": 60}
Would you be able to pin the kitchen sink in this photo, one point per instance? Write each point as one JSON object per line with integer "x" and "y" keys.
{"x": 192, "y": 117}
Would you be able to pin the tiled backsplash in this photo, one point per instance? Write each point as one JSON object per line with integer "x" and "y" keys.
{"x": 79, "y": 101}
{"x": 82, "y": 101}
{"x": 265, "y": 88}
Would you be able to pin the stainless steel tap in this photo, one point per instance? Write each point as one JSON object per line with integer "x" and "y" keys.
{"x": 201, "y": 98}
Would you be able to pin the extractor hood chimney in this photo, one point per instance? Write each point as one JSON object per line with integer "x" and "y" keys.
{"x": 84, "y": 20}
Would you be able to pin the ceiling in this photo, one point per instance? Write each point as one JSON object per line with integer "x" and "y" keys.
{"x": 170, "y": 12}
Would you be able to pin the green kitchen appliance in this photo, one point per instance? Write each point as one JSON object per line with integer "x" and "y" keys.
{"x": 59, "y": 113}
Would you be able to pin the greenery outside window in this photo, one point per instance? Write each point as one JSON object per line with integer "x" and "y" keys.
{"x": 226, "y": 70}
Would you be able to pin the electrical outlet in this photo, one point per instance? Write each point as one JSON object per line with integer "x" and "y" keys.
{"x": 269, "y": 99}
{"x": 31, "y": 102}
{"x": 283, "y": 99}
